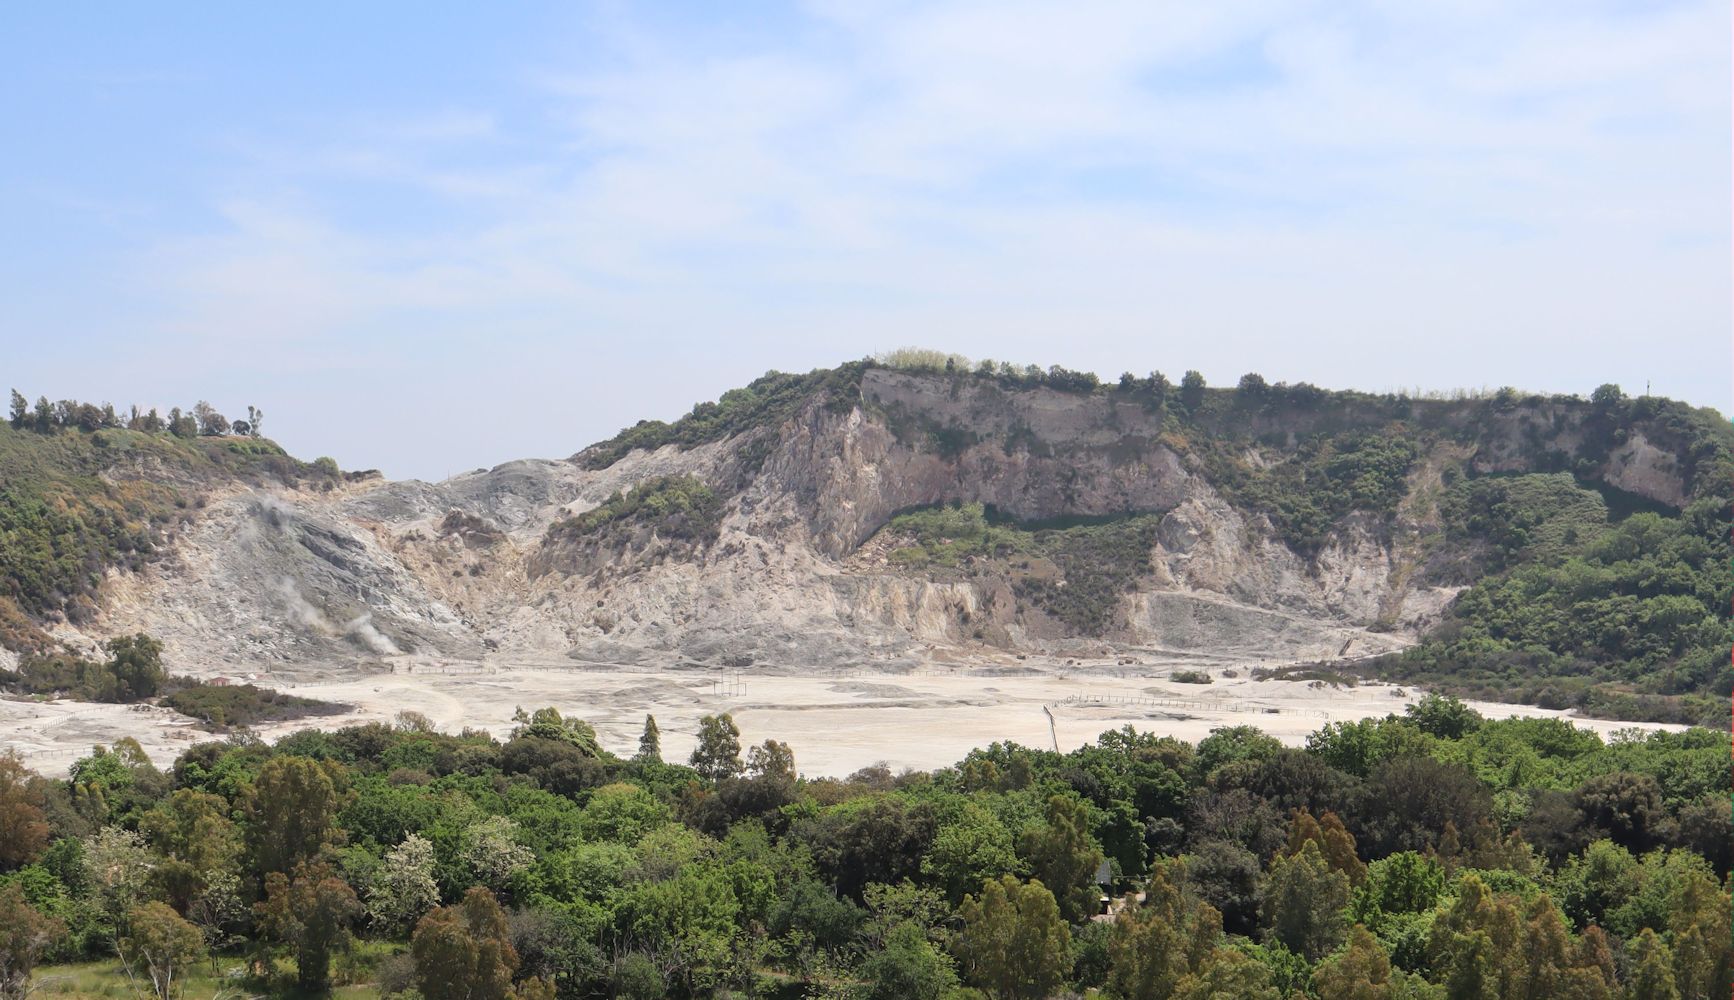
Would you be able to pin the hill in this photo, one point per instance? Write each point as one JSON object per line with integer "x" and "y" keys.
{"x": 1558, "y": 550}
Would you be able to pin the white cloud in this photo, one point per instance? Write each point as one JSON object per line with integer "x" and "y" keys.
{"x": 1374, "y": 194}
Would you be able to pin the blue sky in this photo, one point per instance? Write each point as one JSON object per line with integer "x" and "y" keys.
{"x": 431, "y": 237}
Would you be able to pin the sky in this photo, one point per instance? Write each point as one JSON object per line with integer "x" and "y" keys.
{"x": 432, "y": 237}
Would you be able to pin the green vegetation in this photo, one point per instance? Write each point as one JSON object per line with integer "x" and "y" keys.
{"x": 1579, "y": 595}
{"x": 1630, "y": 621}
{"x": 240, "y": 706}
{"x": 1076, "y": 573}
{"x": 1308, "y": 491}
{"x": 679, "y": 508}
{"x": 1500, "y": 521}
{"x": 134, "y": 673}
{"x": 1428, "y": 854}
{"x": 76, "y": 502}
{"x": 767, "y": 401}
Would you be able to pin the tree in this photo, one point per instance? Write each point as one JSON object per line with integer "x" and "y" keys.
{"x": 1227, "y": 974}
{"x": 20, "y": 410}
{"x": 1063, "y": 857}
{"x": 24, "y": 935}
{"x": 491, "y": 851}
{"x": 1409, "y": 800}
{"x": 650, "y": 744}
{"x": 1362, "y": 971}
{"x": 908, "y": 967}
{"x": 44, "y": 415}
{"x": 464, "y": 952}
{"x": 211, "y": 423}
{"x": 621, "y": 813}
{"x": 1191, "y": 391}
{"x": 1335, "y": 842}
{"x": 1444, "y": 716}
{"x": 255, "y": 419}
{"x": 1479, "y": 942}
{"x": 973, "y": 848}
{"x": 1652, "y": 975}
{"x": 312, "y": 913}
{"x": 166, "y": 945}
{"x": 1402, "y": 883}
{"x": 404, "y": 888}
{"x": 136, "y": 664}
{"x": 772, "y": 761}
{"x": 116, "y": 869}
{"x": 1703, "y": 943}
{"x": 1158, "y": 943}
{"x": 1014, "y": 943}
{"x": 292, "y": 810}
{"x": 718, "y": 754}
{"x": 1627, "y": 808}
{"x": 199, "y": 847}
{"x": 687, "y": 923}
{"x": 182, "y": 425}
{"x": 1226, "y": 876}
{"x": 23, "y": 827}
{"x": 1303, "y": 902}
{"x": 1607, "y": 396}
{"x": 1705, "y": 827}
{"x": 548, "y": 724}
{"x": 194, "y": 827}
{"x": 1252, "y": 391}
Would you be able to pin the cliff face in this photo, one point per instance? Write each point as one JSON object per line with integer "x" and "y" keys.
{"x": 802, "y": 570}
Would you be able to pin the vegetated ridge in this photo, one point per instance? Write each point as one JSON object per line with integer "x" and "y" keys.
{"x": 1554, "y": 549}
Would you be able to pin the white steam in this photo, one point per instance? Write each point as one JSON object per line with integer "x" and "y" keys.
{"x": 361, "y": 628}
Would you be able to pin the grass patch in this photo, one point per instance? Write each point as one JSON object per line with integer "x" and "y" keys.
{"x": 223, "y": 977}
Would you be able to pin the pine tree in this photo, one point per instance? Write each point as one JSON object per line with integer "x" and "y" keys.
{"x": 20, "y": 410}
{"x": 650, "y": 744}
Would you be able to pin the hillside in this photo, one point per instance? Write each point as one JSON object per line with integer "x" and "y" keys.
{"x": 1558, "y": 550}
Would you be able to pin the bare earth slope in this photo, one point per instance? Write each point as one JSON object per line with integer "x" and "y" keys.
{"x": 800, "y": 572}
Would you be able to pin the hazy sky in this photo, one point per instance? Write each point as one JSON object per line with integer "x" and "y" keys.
{"x": 429, "y": 237}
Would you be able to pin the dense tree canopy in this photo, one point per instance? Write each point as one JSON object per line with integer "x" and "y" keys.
{"x": 1400, "y": 858}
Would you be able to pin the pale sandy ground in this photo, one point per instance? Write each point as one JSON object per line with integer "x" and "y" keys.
{"x": 836, "y": 723}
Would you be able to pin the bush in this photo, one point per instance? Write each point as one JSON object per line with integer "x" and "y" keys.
{"x": 244, "y": 705}
{"x": 1076, "y": 573}
{"x": 675, "y": 507}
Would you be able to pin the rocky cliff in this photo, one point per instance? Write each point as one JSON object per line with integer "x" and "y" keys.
{"x": 1272, "y": 523}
